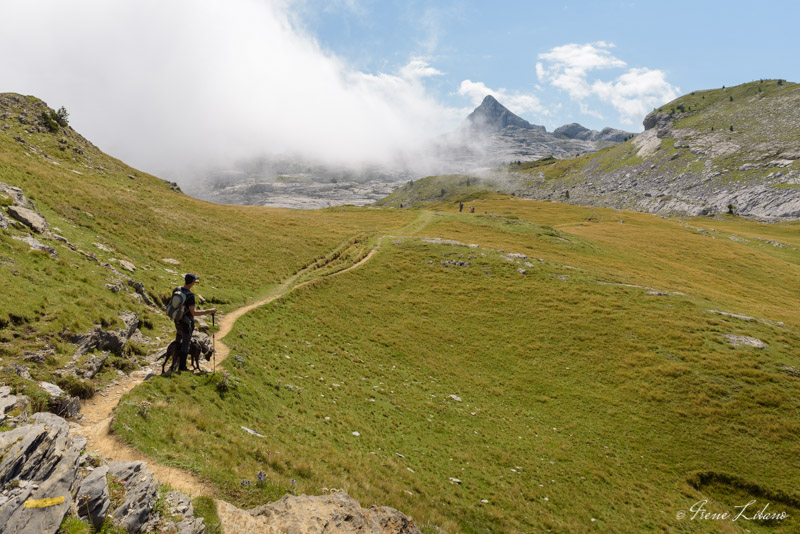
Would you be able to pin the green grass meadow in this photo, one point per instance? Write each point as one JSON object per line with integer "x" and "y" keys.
{"x": 531, "y": 367}
{"x": 585, "y": 406}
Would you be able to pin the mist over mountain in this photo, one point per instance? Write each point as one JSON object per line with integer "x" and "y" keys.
{"x": 489, "y": 136}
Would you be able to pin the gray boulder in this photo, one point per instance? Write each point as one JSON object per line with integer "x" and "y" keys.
{"x": 179, "y": 505}
{"x": 3, "y": 221}
{"x": 17, "y": 196}
{"x": 61, "y": 403}
{"x": 93, "y": 498}
{"x": 141, "y": 495}
{"x": 32, "y": 219}
{"x": 337, "y": 512}
{"x": 43, "y": 458}
{"x": 35, "y": 244}
{"x": 114, "y": 340}
{"x": 8, "y": 402}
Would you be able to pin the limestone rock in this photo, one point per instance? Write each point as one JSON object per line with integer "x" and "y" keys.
{"x": 8, "y": 402}
{"x": 17, "y": 195}
{"x": 337, "y": 512}
{"x": 180, "y": 505}
{"x": 114, "y": 340}
{"x": 44, "y": 458}
{"x": 93, "y": 498}
{"x": 32, "y": 219}
{"x": 61, "y": 403}
{"x": 745, "y": 341}
{"x": 141, "y": 494}
{"x": 3, "y": 221}
{"x": 35, "y": 244}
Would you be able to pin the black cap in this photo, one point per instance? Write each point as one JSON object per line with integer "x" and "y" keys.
{"x": 191, "y": 277}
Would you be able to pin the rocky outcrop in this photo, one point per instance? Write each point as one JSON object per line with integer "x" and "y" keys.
{"x": 337, "y": 512}
{"x": 44, "y": 477}
{"x": 23, "y": 210}
{"x": 577, "y": 131}
{"x": 40, "y": 461}
{"x": 704, "y": 154}
{"x": 141, "y": 494}
{"x": 32, "y": 219}
{"x": 9, "y": 402}
{"x": 35, "y": 244}
{"x": 114, "y": 340}
{"x": 61, "y": 403}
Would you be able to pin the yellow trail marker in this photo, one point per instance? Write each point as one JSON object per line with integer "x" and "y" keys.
{"x": 43, "y": 503}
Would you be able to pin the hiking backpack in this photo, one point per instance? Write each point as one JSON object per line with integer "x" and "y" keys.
{"x": 175, "y": 308}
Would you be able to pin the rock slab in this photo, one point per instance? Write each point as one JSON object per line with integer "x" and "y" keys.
{"x": 335, "y": 513}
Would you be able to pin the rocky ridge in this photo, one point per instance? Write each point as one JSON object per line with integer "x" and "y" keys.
{"x": 731, "y": 150}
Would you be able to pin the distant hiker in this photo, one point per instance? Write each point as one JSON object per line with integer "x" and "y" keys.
{"x": 182, "y": 310}
{"x": 472, "y": 209}
{"x": 460, "y": 207}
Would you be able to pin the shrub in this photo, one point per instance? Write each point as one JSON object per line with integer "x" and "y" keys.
{"x": 76, "y": 387}
{"x": 49, "y": 121}
{"x": 62, "y": 117}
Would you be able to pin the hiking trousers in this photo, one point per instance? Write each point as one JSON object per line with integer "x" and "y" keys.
{"x": 183, "y": 337}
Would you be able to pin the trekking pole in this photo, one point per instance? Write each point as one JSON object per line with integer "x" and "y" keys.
{"x": 214, "y": 341}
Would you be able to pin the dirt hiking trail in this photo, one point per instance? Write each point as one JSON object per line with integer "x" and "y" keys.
{"x": 98, "y": 411}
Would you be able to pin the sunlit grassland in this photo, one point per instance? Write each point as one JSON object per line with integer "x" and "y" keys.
{"x": 579, "y": 400}
{"x": 109, "y": 212}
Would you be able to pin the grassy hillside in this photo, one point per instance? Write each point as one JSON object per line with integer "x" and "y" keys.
{"x": 531, "y": 366}
{"x": 108, "y": 212}
{"x": 596, "y": 391}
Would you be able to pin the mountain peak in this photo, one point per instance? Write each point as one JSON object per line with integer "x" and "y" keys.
{"x": 492, "y": 116}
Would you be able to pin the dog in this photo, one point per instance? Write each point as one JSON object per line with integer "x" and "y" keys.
{"x": 200, "y": 345}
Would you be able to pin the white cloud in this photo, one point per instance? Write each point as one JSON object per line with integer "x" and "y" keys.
{"x": 632, "y": 94}
{"x": 164, "y": 84}
{"x": 516, "y": 102}
{"x": 636, "y": 92}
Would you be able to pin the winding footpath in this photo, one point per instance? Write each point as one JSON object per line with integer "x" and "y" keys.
{"x": 98, "y": 411}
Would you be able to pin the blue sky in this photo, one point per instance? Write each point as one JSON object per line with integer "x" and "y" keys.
{"x": 176, "y": 86}
{"x": 696, "y": 45}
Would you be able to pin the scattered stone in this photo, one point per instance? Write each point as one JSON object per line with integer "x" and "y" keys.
{"x": 788, "y": 369}
{"x": 335, "y": 512}
{"x": 455, "y": 480}
{"x": 253, "y": 432}
{"x": 30, "y": 218}
{"x": 745, "y": 341}
{"x": 139, "y": 288}
{"x": 356, "y": 434}
{"x": 657, "y": 293}
{"x": 521, "y": 271}
{"x": 39, "y": 356}
{"x": 457, "y": 263}
{"x": 36, "y": 245}
{"x": 454, "y": 397}
{"x": 128, "y": 266}
{"x": 94, "y": 364}
{"x": 21, "y": 371}
{"x": 171, "y": 261}
{"x": 3, "y": 221}
{"x": 103, "y": 247}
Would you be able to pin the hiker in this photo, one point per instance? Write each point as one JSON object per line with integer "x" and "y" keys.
{"x": 185, "y": 325}
{"x": 472, "y": 209}
{"x": 460, "y": 207}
